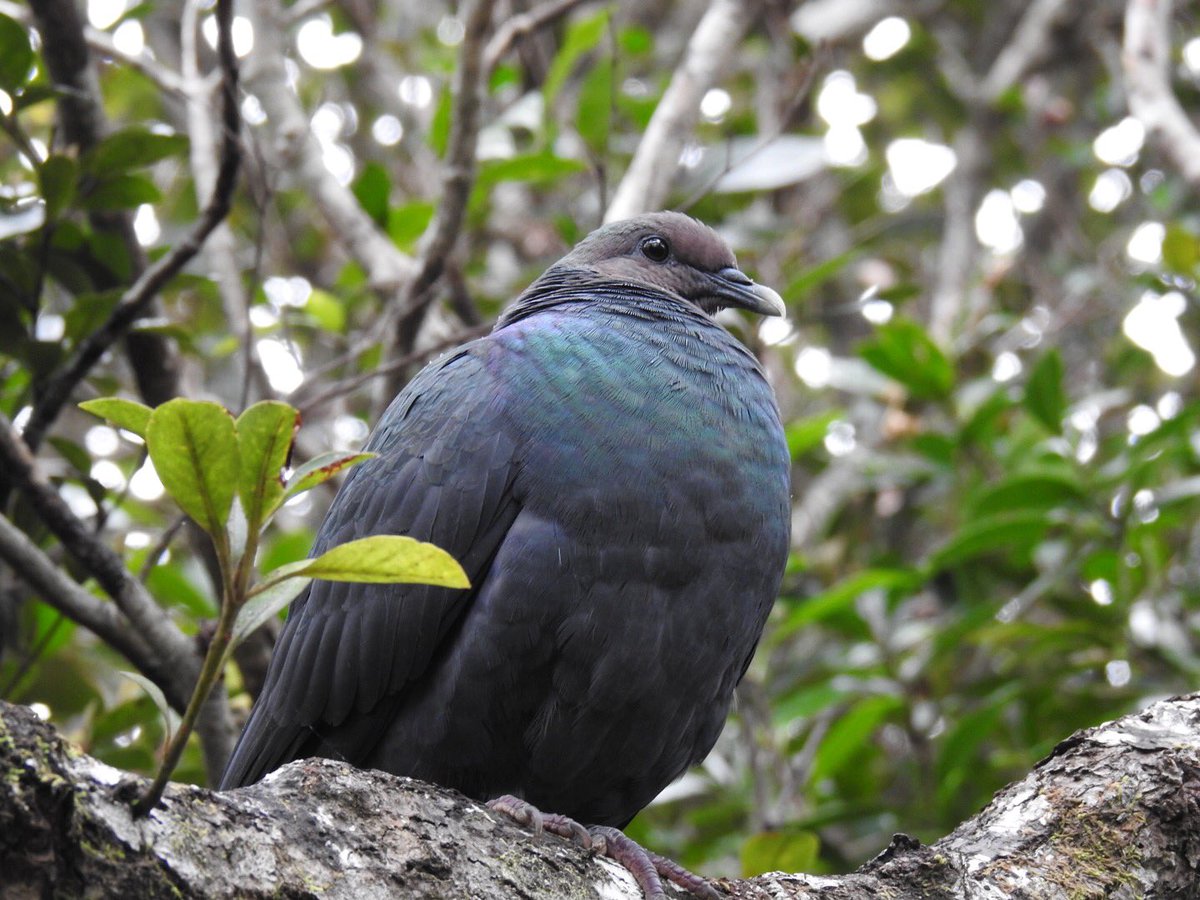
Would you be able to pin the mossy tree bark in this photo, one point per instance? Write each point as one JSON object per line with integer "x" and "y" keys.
{"x": 1113, "y": 812}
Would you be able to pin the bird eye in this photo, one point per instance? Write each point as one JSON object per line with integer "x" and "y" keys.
{"x": 655, "y": 249}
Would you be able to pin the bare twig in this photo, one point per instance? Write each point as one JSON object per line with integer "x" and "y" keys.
{"x": 709, "y": 52}
{"x": 346, "y": 385}
{"x": 142, "y": 293}
{"x": 1146, "y": 59}
{"x": 458, "y": 176}
{"x": 152, "y": 357}
{"x": 1029, "y": 45}
{"x": 221, "y": 250}
{"x": 458, "y": 172}
{"x": 516, "y": 27}
{"x": 295, "y": 149}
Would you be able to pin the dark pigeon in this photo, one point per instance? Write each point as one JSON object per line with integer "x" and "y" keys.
{"x": 609, "y": 467}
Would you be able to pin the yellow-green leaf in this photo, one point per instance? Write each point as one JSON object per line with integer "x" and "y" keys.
{"x": 264, "y": 436}
{"x": 127, "y": 414}
{"x": 388, "y": 558}
{"x": 320, "y": 469}
{"x": 193, "y": 445}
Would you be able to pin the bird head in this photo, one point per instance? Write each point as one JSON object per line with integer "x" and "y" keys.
{"x": 676, "y": 254}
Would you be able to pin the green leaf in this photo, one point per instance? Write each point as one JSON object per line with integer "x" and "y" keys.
{"x": 193, "y": 445}
{"x": 1007, "y": 532}
{"x": 89, "y": 312}
{"x": 1042, "y": 488}
{"x": 903, "y": 351}
{"x": 1044, "y": 394}
{"x": 373, "y": 189}
{"x": 267, "y": 603}
{"x": 170, "y": 717}
{"x": 841, "y": 597}
{"x": 326, "y": 310}
{"x": 127, "y": 414}
{"x": 121, "y": 192}
{"x": 817, "y": 275}
{"x": 1180, "y": 250}
{"x": 779, "y": 851}
{"x": 320, "y": 469}
{"x": 806, "y": 434}
{"x": 388, "y": 559}
{"x": 850, "y": 735}
{"x": 131, "y": 148}
{"x": 16, "y": 54}
{"x": 408, "y": 222}
{"x": 537, "y": 168}
{"x": 264, "y": 436}
{"x": 582, "y": 36}
{"x": 594, "y": 108}
{"x": 56, "y": 178}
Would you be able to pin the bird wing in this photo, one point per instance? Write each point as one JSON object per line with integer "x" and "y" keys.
{"x": 443, "y": 474}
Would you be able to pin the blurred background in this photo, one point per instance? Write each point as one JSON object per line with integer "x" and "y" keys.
{"x": 982, "y": 217}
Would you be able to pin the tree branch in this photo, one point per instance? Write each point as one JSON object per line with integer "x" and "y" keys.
{"x": 52, "y": 584}
{"x": 709, "y": 52}
{"x": 1114, "y": 811}
{"x": 151, "y": 356}
{"x": 1146, "y": 59}
{"x": 297, "y": 151}
{"x": 151, "y": 623}
{"x": 458, "y": 169}
{"x": 136, "y": 300}
{"x": 517, "y": 27}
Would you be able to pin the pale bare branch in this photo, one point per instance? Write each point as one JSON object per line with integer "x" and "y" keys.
{"x": 708, "y": 55}
{"x": 1146, "y": 59}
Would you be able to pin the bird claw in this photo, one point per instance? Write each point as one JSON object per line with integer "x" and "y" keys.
{"x": 519, "y": 811}
{"x": 648, "y": 869}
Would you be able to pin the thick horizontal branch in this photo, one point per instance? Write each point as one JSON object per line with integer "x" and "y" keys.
{"x": 1114, "y": 811}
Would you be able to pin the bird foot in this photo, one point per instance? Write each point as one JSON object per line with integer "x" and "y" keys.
{"x": 648, "y": 869}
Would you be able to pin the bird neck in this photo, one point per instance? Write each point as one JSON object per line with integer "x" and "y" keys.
{"x": 561, "y": 285}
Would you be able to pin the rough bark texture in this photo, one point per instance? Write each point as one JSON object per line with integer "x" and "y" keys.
{"x": 1113, "y": 812}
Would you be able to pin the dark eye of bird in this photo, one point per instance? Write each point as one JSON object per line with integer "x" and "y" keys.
{"x": 655, "y": 249}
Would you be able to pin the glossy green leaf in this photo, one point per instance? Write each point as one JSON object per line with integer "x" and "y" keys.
{"x": 386, "y": 559}
{"x": 265, "y": 433}
{"x": 56, "y": 179}
{"x": 127, "y": 414}
{"x": 193, "y": 445}
{"x": 1045, "y": 397}
{"x": 16, "y": 54}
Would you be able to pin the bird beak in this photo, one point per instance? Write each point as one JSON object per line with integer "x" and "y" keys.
{"x": 732, "y": 287}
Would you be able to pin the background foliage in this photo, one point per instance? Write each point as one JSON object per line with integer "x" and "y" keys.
{"x": 987, "y": 376}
